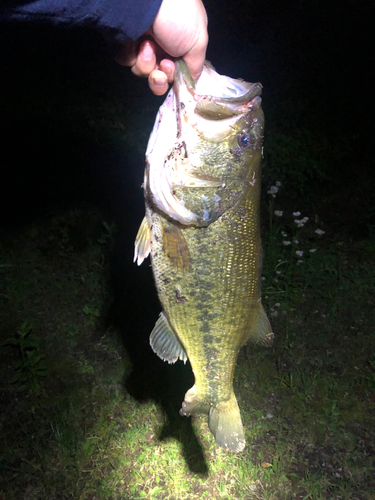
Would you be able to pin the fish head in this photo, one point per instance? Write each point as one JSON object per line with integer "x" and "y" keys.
{"x": 204, "y": 152}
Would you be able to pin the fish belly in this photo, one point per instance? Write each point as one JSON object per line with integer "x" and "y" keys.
{"x": 208, "y": 281}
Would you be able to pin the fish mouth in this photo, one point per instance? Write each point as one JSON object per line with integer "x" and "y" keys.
{"x": 212, "y": 105}
{"x": 216, "y": 97}
{"x": 193, "y": 113}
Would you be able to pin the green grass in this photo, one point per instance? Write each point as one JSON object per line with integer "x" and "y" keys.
{"x": 71, "y": 429}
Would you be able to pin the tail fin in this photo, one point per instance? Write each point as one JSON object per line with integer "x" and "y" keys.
{"x": 224, "y": 421}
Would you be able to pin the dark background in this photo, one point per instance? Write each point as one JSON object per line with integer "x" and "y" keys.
{"x": 74, "y": 125}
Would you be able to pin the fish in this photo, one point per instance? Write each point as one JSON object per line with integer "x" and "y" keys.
{"x": 202, "y": 230}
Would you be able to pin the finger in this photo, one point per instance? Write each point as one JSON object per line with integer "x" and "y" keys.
{"x": 167, "y": 67}
{"x": 146, "y": 59}
{"x": 158, "y": 82}
{"x": 196, "y": 56}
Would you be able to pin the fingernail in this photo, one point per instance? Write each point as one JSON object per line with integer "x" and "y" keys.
{"x": 158, "y": 82}
{"x": 147, "y": 52}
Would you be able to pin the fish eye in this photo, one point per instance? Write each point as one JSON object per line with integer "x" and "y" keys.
{"x": 244, "y": 140}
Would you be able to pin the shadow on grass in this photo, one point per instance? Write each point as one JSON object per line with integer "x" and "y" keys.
{"x": 134, "y": 311}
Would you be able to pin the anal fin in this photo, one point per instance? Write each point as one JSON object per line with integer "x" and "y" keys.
{"x": 142, "y": 244}
{"x": 164, "y": 342}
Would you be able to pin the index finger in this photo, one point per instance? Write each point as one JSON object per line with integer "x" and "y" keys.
{"x": 195, "y": 58}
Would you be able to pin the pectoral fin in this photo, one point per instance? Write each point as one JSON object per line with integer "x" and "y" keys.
{"x": 142, "y": 242}
{"x": 261, "y": 332}
{"x": 164, "y": 342}
{"x": 175, "y": 247}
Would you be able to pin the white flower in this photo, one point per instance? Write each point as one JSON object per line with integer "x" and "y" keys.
{"x": 277, "y": 304}
{"x": 276, "y": 280}
{"x": 299, "y": 262}
{"x": 320, "y": 232}
{"x": 302, "y": 222}
{"x": 278, "y": 213}
{"x": 299, "y": 253}
{"x": 312, "y": 250}
{"x": 273, "y": 190}
{"x": 296, "y": 242}
{"x": 278, "y": 184}
{"x": 278, "y": 272}
{"x": 284, "y": 234}
{"x": 263, "y": 278}
{"x": 296, "y": 214}
{"x": 286, "y": 243}
{"x": 274, "y": 313}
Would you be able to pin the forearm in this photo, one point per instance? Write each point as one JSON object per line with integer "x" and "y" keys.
{"x": 122, "y": 20}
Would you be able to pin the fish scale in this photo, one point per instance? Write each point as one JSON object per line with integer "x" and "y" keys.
{"x": 206, "y": 257}
{"x": 219, "y": 292}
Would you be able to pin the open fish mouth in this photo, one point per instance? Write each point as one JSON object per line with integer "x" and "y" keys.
{"x": 217, "y": 97}
{"x": 208, "y": 112}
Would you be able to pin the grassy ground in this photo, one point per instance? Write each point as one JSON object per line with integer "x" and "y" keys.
{"x": 74, "y": 427}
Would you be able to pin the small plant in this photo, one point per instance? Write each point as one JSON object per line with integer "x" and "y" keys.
{"x": 107, "y": 235}
{"x": 60, "y": 233}
{"x": 85, "y": 367}
{"x": 30, "y": 371}
{"x": 92, "y": 313}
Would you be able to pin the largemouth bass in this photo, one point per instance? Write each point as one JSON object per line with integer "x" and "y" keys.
{"x": 202, "y": 196}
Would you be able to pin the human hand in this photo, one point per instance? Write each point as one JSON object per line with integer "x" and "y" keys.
{"x": 180, "y": 30}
